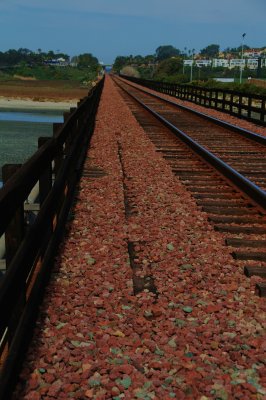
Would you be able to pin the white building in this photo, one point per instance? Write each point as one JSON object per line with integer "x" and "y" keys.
{"x": 252, "y": 63}
{"x": 203, "y": 63}
{"x": 263, "y": 62}
{"x": 252, "y": 53}
{"x": 59, "y": 62}
{"x": 220, "y": 62}
{"x": 237, "y": 63}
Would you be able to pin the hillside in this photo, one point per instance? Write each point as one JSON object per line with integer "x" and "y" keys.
{"x": 42, "y": 90}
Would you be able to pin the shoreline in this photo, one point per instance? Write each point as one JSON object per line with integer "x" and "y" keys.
{"x": 28, "y": 103}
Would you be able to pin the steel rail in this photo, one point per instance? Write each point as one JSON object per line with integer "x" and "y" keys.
{"x": 253, "y": 191}
{"x": 242, "y": 131}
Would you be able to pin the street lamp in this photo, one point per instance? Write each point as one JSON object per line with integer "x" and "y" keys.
{"x": 184, "y": 54}
{"x": 241, "y": 66}
{"x": 191, "y": 69}
{"x": 199, "y": 71}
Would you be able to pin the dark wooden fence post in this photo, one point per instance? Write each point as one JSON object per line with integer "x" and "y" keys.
{"x": 223, "y": 101}
{"x": 30, "y": 255}
{"x": 231, "y": 102}
{"x": 15, "y": 231}
{"x": 45, "y": 186}
{"x": 216, "y": 98}
{"x": 70, "y": 134}
{"x": 240, "y": 105}
{"x": 60, "y": 156}
{"x": 249, "y": 106}
{"x": 13, "y": 237}
{"x": 45, "y": 181}
{"x": 263, "y": 111}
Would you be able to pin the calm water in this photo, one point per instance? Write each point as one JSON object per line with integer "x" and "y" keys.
{"x": 20, "y": 130}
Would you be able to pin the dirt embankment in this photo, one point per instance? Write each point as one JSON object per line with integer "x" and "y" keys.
{"x": 257, "y": 82}
{"x": 43, "y": 90}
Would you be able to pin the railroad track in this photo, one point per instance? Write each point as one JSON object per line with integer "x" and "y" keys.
{"x": 221, "y": 165}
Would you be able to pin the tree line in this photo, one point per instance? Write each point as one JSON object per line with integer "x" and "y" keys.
{"x": 166, "y": 64}
{"x": 168, "y": 51}
{"x": 13, "y": 57}
{"x": 50, "y": 65}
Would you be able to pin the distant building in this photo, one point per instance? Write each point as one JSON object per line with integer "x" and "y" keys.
{"x": 220, "y": 62}
{"x": 252, "y": 53}
{"x": 224, "y": 80}
{"x": 204, "y": 63}
{"x": 252, "y": 63}
{"x": 59, "y": 62}
{"x": 237, "y": 63}
{"x": 263, "y": 62}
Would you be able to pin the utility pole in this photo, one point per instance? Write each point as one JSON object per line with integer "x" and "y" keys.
{"x": 241, "y": 66}
{"x": 184, "y": 54}
{"x": 259, "y": 66}
{"x": 191, "y": 69}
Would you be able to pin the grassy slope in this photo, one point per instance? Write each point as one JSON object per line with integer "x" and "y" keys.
{"x": 45, "y": 83}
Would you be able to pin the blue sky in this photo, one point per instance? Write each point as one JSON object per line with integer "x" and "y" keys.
{"x": 108, "y": 28}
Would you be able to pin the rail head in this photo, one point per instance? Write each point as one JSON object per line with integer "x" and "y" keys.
{"x": 255, "y": 193}
{"x": 186, "y": 86}
{"x": 242, "y": 131}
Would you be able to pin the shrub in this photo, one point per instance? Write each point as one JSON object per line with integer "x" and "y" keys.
{"x": 130, "y": 71}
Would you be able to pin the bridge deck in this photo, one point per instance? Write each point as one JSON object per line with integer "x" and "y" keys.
{"x": 145, "y": 300}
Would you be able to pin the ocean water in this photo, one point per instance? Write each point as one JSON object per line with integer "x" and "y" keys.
{"x": 20, "y": 130}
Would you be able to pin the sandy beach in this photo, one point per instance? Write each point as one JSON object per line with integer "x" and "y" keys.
{"x": 41, "y": 95}
{"x": 8, "y": 103}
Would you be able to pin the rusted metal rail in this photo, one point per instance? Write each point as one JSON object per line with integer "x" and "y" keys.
{"x": 252, "y": 190}
{"x": 245, "y": 106}
{"x": 32, "y": 245}
{"x": 239, "y": 214}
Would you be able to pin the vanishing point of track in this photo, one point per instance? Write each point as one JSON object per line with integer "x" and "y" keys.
{"x": 223, "y": 167}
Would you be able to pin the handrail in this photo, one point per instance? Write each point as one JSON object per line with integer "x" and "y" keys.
{"x": 29, "y": 265}
{"x": 20, "y": 184}
{"x": 254, "y": 192}
{"x": 242, "y": 131}
{"x": 251, "y": 107}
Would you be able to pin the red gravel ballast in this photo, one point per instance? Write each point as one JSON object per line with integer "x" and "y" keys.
{"x": 145, "y": 301}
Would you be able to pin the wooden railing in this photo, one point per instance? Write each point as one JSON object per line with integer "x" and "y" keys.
{"x": 33, "y": 231}
{"x": 246, "y": 106}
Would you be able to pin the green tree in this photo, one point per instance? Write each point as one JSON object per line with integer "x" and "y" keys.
{"x": 120, "y": 62}
{"x": 167, "y": 68}
{"x": 87, "y": 60}
{"x": 130, "y": 71}
{"x": 211, "y": 51}
{"x": 149, "y": 59}
{"x": 138, "y": 60}
{"x": 164, "y": 52}
{"x": 24, "y": 51}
